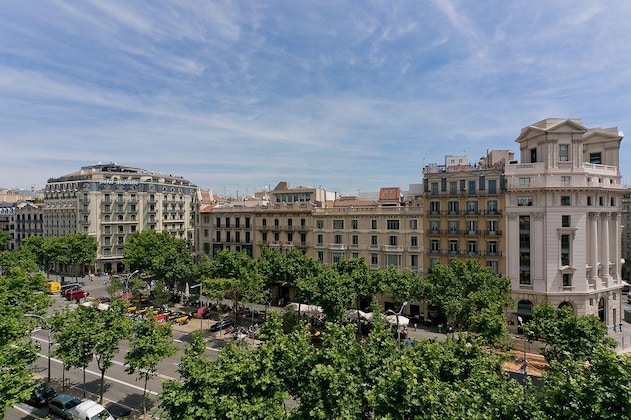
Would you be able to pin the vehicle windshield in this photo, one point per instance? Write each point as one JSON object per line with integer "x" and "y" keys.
{"x": 103, "y": 415}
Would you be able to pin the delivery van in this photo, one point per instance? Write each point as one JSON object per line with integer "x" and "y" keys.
{"x": 53, "y": 287}
{"x": 91, "y": 410}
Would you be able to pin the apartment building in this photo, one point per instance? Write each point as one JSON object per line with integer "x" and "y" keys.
{"x": 110, "y": 202}
{"x": 386, "y": 231}
{"x": 278, "y": 219}
{"x": 464, "y": 211}
{"x": 563, "y": 219}
{"x": 27, "y": 220}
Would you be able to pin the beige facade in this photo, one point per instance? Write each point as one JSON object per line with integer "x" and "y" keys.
{"x": 111, "y": 202}
{"x": 26, "y": 221}
{"x": 626, "y": 236}
{"x": 464, "y": 211}
{"x": 563, "y": 207}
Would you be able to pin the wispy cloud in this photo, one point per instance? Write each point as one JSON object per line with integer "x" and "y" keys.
{"x": 341, "y": 94}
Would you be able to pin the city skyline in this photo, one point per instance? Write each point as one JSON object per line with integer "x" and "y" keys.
{"x": 351, "y": 97}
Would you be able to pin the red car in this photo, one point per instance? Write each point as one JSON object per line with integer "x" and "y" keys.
{"x": 76, "y": 294}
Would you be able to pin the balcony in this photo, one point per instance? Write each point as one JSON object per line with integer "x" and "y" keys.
{"x": 337, "y": 247}
{"x": 392, "y": 248}
{"x": 492, "y": 232}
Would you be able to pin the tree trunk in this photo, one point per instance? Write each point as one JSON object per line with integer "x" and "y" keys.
{"x": 102, "y": 382}
{"x": 144, "y": 398}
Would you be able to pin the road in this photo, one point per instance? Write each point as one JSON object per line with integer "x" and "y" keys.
{"x": 119, "y": 387}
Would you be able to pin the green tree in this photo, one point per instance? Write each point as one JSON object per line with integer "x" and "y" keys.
{"x": 240, "y": 384}
{"x": 21, "y": 292}
{"x": 82, "y": 249}
{"x": 573, "y": 389}
{"x": 4, "y": 240}
{"x": 151, "y": 343}
{"x": 84, "y": 332}
{"x": 567, "y": 336}
{"x": 160, "y": 255}
{"x": 334, "y": 292}
{"x": 467, "y": 293}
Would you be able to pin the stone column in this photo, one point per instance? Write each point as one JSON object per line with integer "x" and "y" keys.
{"x": 593, "y": 239}
{"x": 604, "y": 240}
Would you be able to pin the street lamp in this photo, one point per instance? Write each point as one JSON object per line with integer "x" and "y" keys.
{"x": 127, "y": 278}
{"x": 201, "y": 322}
{"x": 49, "y": 343}
{"x": 398, "y": 314}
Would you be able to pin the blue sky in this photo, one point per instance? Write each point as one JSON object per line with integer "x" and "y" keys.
{"x": 347, "y": 95}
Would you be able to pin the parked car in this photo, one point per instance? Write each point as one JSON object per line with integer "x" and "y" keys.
{"x": 63, "y": 405}
{"x": 53, "y": 287}
{"x": 625, "y": 287}
{"x": 178, "y": 317}
{"x": 91, "y": 410}
{"x": 67, "y": 287}
{"x": 222, "y": 325}
{"x": 41, "y": 395}
{"x": 76, "y": 294}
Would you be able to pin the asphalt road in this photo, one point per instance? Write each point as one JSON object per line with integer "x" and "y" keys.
{"x": 120, "y": 387}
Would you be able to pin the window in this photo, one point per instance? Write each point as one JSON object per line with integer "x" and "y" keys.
{"x": 321, "y": 256}
{"x": 453, "y": 226}
{"x": 218, "y": 222}
{"x": 133, "y": 229}
{"x": 434, "y": 226}
{"x": 107, "y": 240}
{"x": 303, "y": 223}
{"x": 453, "y": 189}
{"x": 434, "y": 187}
{"x": 414, "y": 241}
{"x": 373, "y": 224}
{"x": 565, "y": 250}
{"x": 566, "y": 179}
{"x": 453, "y": 207}
{"x": 338, "y": 239}
{"x": 121, "y": 229}
{"x": 338, "y": 224}
{"x": 218, "y": 236}
{"x": 373, "y": 240}
{"x": 533, "y": 155}
{"x": 434, "y": 246}
{"x": 414, "y": 261}
{"x": 494, "y": 266}
{"x": 247, "y": 237}
{"x": 205, "y": 233}
{"x": 595, "y": 158}
{"x": 453, "y": 246}
{"x": 393, "y": 240}
{"x": 565, "y": 200}
{"x": 355, "y": 240}
{"x": 471, "y": 187}
{"x": 276, "y": 236}
{"x": 565, "y": 220}
{"x": 237, "y": 222}
{"x": 320, "y": 224}
{"x": 264, "y": 237}
{"x": 227, "y": 222}
{"x": 394, "y": 260}
{"x": 524, "y": 182}
{"x": 524, "y": 201}
{"x": 492, "y": 186}
{"x": 374, "y": 260}
{"x": 392, "y": 224}
{"x": 524, "y": 250}
{"x": 247, "y": 223}
{"x": 107, "y": 217}
{"x": 472, "y": 247}
{"x": 491, "y": 226}
{"x": 107, "y": 229}
{"x": 491, "y": 207}
{"x": 601, "y": 202}
{"x": 567, "y": 280}
{"x": 413, "y": 224}
{"x": 276, "y": 223}
{"x": 612, "y": 201}
{"x": 472, "y": 227}
{"x": 472, "y": 207}
{"x": 434, "y": 207}
{"x": 320, "y": 239}
{"x": 589, "y": 201}
{"x": 354, "y": 224}
{"x": 491, "y": 247}
{"x": 564, "y": 152}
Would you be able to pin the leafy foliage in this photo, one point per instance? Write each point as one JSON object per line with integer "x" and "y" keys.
{"x": 150, "y": 343}
{"x": 567, "y": 336}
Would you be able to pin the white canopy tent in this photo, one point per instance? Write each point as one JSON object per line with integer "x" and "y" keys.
{"x": 304, "y": 308}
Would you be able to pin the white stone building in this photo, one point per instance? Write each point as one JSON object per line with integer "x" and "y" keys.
{"x": 563, "y": 223}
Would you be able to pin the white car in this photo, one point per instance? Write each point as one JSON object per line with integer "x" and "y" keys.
{"x": 91, "y": 410}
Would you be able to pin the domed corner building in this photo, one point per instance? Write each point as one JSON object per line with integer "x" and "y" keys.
{"x": 563, "y": 219}
{"x": 111, "y": 202}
